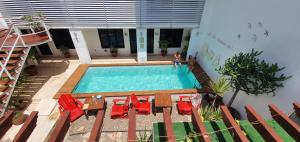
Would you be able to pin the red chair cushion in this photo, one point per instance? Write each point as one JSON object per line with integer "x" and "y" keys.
{"x": 76, "y": 113}
{"x": 67, "y": 102}
{"x": 144, "y": 107}
{"x": 117, "y": 110}
{"x": 184, "y": 107}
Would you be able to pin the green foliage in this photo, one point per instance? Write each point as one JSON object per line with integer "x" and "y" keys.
{"x": 18, "y": 114}
{"x": 33, "y": 53}
{"x": 163, "y": 45}
{"x": 191, "y": 136}
{"x": 209, "y": 113}
{"x": 251, "y": 75}
{"x": 33, "y": 20}
{"x": 142, "y": 137}
{"x": 63, "y": 49}
{"x": 220, "y": 86}
{"x": 113, "y": 50}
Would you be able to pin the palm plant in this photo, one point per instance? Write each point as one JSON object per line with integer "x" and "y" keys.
{"x": 219, "y": 87}
{"x": 142, "y": 137}
{"x": 210, "y": 113}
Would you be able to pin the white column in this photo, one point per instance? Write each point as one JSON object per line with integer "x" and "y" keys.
{"x": 55, "y": 52}
{"x": 141, "y": 36}
{"x": 126, "y": 50}
{"x": 194, "y": 45}
{"x": 80, "y": 46}
{"x": 156, "y": 41}
{"x": 2, "y": 22}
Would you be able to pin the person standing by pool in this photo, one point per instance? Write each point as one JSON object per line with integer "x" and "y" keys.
{"x": 177, "y": 58}
{"x": 191, "y": 62}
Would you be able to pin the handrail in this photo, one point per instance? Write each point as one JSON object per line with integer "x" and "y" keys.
{"x": 10, "y": 30}
{"x": 27, "y": 23}
{"x": 7, "y": 58}
{"x": 33, "y": 33}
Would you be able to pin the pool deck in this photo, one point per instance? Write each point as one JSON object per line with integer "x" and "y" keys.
{"x": 71, "y": 83}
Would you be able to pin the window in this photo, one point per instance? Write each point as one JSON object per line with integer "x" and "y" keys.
{"x": 172, "y": 36}
{"x": 62, "y": 38}
{"x": 111, "y": 38}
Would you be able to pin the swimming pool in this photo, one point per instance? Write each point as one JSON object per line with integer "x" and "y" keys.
{"x": 136, "y": 78}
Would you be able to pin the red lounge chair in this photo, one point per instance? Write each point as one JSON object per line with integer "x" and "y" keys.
{"x": 185, "y": 106}
{"x": 120, "y": 110}
{"x": 67, "y": 102}
{"x": 142, "y": 107}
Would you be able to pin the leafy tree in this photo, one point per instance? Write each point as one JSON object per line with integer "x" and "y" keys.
{"x": 249, "y": 74}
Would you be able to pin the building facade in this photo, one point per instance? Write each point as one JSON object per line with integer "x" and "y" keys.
{"x": 90, "y": 28}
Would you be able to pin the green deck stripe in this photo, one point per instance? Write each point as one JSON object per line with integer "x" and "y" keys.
{"x": 280, "y": 131}
{"x": 180, "y": 129}
{"x": 222, "y": 136}
{"x": 250, "y": 131}
{"x": 209, "y": 129}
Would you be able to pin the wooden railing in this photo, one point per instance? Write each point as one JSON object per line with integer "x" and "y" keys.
{"x": 131, "y": 126}
{"x": 27, "y": 128}
{"x": 297, "y": 109}
{"x": 6, "y": 122}
{"x": 61, "y": 128}
{"x": 96, "y": 130}
{"x": 285, "y": 122}
{"x": 235, "y": 130}
{"x": 261, "y": 126}
{"x": 168, "y": 125}
{"x": 199, "y": 126}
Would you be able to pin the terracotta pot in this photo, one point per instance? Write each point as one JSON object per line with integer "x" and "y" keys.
{"x": 31, "y": 70}
{"x": 67, "y": 55}
{"x": 18, "y": 120}
{"x": 114, "y": 54}
{"x": 235, "y": 113}
{"x": 164, "y": 52}
{"x": 21, "y": 104}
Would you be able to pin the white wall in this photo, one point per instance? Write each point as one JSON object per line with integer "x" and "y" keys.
{"x": 2, "y": 22}
{"x": 171, "y": 51}
{"x": 141, "y": 38}
{"x": 94, "y": 43}
{"x": 80, "y": 46}
{"x": 218, "y": 40}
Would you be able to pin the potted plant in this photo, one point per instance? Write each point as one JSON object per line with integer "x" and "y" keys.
{"x": 248, "y": 73}
{"x": 210, "y": 113}
{"x": 219, "y": 87}
{"x": 164, "y": 47}
{"x": 65, "y": 51}
{"x": 34, "y": 22}
{"x": 19, "y": 118}
{"x": 185, "y": 47}
{"x": 114, "y": 52}
{"x": 32, "y": 62}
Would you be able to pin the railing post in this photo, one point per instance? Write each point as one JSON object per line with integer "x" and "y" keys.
{"x": 131, "y": 126}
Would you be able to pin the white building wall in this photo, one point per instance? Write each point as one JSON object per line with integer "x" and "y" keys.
{"x": 2, "y": 22}
{"x": 94, "y": 43}
{"x": 80, "y": 46}
{"x": 156, "y": 49}
{"x": 141, "y": 38}
{"x": 218, "y": 40}
{"x": 171, "y": 51}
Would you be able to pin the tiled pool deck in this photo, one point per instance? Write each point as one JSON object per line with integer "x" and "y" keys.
{"x": 59, "y": 71}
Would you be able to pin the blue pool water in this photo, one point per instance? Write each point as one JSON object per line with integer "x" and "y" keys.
{"x": 136, "y": 78}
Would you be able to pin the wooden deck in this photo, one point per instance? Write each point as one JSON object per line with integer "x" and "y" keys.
{"x": 71, "y": 83}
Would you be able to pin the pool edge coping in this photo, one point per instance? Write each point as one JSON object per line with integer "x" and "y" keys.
{"x": 73, "y": 80}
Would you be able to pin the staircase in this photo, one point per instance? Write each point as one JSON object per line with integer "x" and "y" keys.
{"x": 14, "y": 49}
